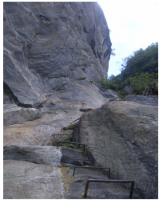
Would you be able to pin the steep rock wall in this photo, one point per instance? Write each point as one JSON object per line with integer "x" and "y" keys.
{"x": 52, "y": 45}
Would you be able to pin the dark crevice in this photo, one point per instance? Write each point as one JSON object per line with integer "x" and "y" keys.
{"x": 9, "y": 93}
{"x": 107, "y": 52}
{"x": 85, "y": 30}
{"x": 99, "y": 54}
{"x": 12, "y": 97}
{"x": 43, "y": 18}
{"x": 92, "y": 45}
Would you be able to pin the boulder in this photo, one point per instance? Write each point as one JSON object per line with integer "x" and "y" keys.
{"x": 124, "y": 136}
{"x": 127, "y": 89}
{"x": 13, "y": 114}
{"x": 30, "y": 133}
{"x": 144, "y": 100}
{"x": 110, "y": 94}
{"x": 35, "y": 154}
{"x": 27, "y": 180}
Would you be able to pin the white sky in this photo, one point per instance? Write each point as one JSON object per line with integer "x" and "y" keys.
{"x": 133, "y": 25}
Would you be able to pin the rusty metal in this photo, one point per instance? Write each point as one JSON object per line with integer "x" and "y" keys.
{"x": 109, "y": 181}
{"x": 88, "y": 167}
{"x": 76, "y": 159}
{"x": 76, "y": 143}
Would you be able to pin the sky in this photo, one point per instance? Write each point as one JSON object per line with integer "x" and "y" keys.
{"x": 133, "y": 25}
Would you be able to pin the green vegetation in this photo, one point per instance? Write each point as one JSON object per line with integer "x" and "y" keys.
{"x": 107, "y": 84}
{"x": 144, "y": 81}
{"x": 67, "y": 139}
{"x": 70, "y": 127}
{"x": 140, "y": 71}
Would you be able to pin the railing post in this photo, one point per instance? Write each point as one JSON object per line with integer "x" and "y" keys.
{"x": 84, "y": 149}
{"x": 109, "y": 181}
{"x": 73, "y": 171}
{"x": 109, "y": 173}
{"x": 132, "y": 190}
{"x": 86, "y": 190}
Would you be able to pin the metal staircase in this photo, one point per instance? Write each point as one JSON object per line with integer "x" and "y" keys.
{"x": 88, "y": 183}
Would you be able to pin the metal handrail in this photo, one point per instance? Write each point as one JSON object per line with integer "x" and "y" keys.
{"x": 88, "y": 167}
{"x": 109, "y": 181}
{"x": 72, "y": 143}
{"x": 76, "y": 159}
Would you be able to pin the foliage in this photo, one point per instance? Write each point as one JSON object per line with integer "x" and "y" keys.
{"x": 140, "y": 70}
{"x": 112, "y": 52}
{"x": 106, "y": 84}
{"x": 70, "y": 127}
{"x": 141, "y": 61}
{"x": 67, "y": 139}
{"x": 141, "y": 82}
{"x": 122, "y": 94}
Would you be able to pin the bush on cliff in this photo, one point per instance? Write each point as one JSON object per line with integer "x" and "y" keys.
{"x": 140, "y": 71}
{"x": 144, "y": 82}
{"x": 106, "y": 84}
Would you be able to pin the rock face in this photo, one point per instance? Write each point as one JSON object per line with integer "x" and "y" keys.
{"x": 53, "y": 54}
{"x": 32, "y": 172}
{"x": 124, "y": 136}
{"x": 28, "y": 180}
{"x": 34, "y": 154}
{"x": 144, "y": 100}
{"x": 54, "y": 47}
{"x": 12, "y": 114}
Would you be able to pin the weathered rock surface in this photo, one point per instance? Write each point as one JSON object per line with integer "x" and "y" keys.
{"x": 144, "y": 100}
{"x": 124, "y": 136}
{"x": 41, "y": 131}
{"x": 51, "y": 47}
{"x": 127, "y": 89}
{"x": 35, "y": 154}
{"x": 13, "y": 114}
{"x": 53, "y": 54}
{"x": 26, "y": 180}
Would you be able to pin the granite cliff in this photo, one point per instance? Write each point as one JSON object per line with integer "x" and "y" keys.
{"x": 53, "y": 47}
{"x": 54, "y": 54}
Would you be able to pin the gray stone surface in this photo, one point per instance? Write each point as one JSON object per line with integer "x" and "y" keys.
{"x": 74, "y": 156}
{"x": 53, "y": 54}
{"x": 124, "y": 136}
{"x": 110, "y": 94}
{"x": 13, "y": 114}
{"x": 35, "y": 154}
{"x": 127, "y": 89}
{"x": 26, "y": 180}
{"x": 97, "y": 190}
{"x": 51, "y": 46}
{"x": 144, "y": 100}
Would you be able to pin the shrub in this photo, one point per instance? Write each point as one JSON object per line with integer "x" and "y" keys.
{"x": 144, "y": 81}
{"x": 70, "y": 127}
{"x": 106, "y": 84}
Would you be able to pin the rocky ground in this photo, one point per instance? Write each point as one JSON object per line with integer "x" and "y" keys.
{"x": 37, "y": 172}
